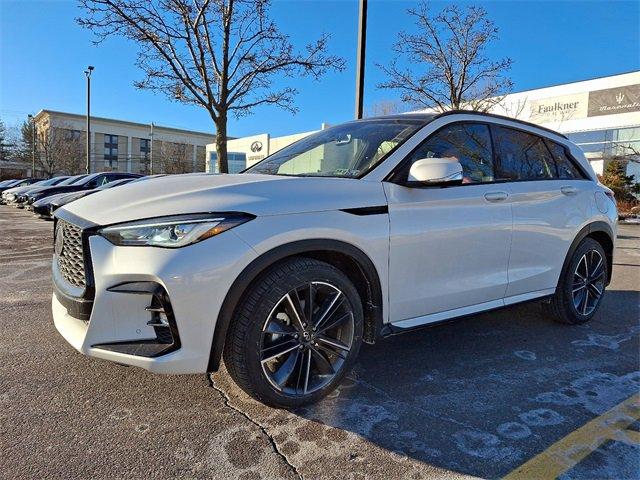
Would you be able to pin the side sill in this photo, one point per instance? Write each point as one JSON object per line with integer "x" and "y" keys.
{"x": 440, "y": 318}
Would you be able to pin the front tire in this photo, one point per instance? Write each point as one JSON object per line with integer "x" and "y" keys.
{"x": 295, "y": 333}
{"x": 582, "y": 285}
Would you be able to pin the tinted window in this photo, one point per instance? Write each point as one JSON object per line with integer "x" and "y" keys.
{"x": 566, "y": 168}
{"x": 469, "y": 143}
{"x": 522, "y": 156}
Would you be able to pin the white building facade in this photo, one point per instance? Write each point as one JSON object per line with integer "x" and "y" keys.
{"x": 247, "y": 151}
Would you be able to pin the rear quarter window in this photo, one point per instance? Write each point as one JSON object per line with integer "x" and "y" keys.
{"x": 566, "y": 167}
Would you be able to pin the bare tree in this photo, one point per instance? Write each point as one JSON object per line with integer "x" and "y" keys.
{"x": 173, "y": 158}
{"x": 59, "y": 150}
{"x": 449, "y": 52}
{"x": 220, "y": 54}
{"x": 385, "y": 107}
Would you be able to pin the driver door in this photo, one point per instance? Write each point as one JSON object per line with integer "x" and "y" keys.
{"x": 449, "y": 246}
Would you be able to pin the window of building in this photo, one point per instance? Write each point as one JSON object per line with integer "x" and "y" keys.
{"x": 237, "y": 162}
{"x": 72, "y": 134}
{"x": 522, "y": 156}
{"x": 469, "y": 143}
{"x": 145, "y": 147}
{"x": 111, "y": 150}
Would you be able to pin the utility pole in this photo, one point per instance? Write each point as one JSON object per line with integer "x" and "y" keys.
{"x": 33, "y": 144}
{"x": 87, "y": 72}
{"x": 360, "y": 59}
{"x": 151, "y": 166}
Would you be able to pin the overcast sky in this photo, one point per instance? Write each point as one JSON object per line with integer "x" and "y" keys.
{"x": 43, "y": 54}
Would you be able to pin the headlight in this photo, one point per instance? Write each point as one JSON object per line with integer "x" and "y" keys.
{"x": 172, "y": 232}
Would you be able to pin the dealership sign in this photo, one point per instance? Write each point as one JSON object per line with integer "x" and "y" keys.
{"x": 558, "y": 109}
{"x": 614, "y": 100}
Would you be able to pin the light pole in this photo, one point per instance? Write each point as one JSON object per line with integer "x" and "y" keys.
{"x": 87, "y": 72}
{"x": 33, "y": 144}
{"x": 362, "y": 46}
{"x": 151, "y": 148}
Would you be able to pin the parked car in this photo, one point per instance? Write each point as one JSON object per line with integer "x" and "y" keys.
{"x": 16, "y": 195}
{"x": 46, "y": 206}
{"x": 86, "y": 182}
{"x": 23, "y": 200}
{"x": 357, "y": 232}
{"x": 14, "y": 184}
{"x": 4, "y": 183}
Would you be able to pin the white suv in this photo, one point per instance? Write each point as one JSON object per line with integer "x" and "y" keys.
{"x": 357, "y": 232}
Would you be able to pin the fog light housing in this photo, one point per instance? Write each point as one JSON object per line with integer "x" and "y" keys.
{"x": 161, "y": 318}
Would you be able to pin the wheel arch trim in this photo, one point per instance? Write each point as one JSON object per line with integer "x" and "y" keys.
{"x": 372, "y": 308}
{"x": 586, "y": 231}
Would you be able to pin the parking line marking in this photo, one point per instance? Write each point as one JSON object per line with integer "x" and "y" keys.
{"x": 570, "y": 450}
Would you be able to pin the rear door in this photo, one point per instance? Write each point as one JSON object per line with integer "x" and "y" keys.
{"x": 550, "y": 202}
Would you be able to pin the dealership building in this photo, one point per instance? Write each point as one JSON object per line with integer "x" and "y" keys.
{"x": 601, "y": 115}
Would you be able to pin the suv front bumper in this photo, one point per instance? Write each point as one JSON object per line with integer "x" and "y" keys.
{"x": 196, "y": 280}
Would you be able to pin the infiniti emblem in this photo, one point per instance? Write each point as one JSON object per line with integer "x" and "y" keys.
{"x": 256, "y": 146}
{"x": 59, "y": 245}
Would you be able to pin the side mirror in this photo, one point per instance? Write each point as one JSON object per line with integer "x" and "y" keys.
{"x": 435, "y": 172}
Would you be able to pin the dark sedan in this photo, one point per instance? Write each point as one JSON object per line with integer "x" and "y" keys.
{"x": 46, "y": 206}
{"x": 88, "y": 182}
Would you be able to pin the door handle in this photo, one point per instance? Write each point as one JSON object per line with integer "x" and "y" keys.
{"x": 496, "y": 196}
{"x": 566, "y": 190}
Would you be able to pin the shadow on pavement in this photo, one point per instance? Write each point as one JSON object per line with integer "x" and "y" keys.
{"x": 484, "y": 394}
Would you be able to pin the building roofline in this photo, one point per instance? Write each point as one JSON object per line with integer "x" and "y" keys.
{"x": 127, "y": 122}
{"x": 570, "y": 83}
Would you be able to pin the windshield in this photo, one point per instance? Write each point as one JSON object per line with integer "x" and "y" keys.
{"x": 72, "y": 180}
{"x": 115, "y": 183}
{"x": 51, "y": 181}
{"x": 349, "y": 150}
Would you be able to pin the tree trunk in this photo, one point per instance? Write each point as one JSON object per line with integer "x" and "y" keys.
{"x": 221, "y": 144}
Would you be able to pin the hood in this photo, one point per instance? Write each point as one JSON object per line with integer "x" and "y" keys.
{"x": 47, "y": 200}
{"x": 53, "y": 189}
{"x": 19, "y": 190}
{"x": 250, "y": 193}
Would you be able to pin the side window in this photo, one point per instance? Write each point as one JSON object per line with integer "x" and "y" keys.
{"x": 522, "y": 156}
{"x": 469, "y": 143}
{"x": 566, "y": 168}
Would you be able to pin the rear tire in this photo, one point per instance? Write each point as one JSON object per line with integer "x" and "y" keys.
{"x": 581, "y": 286}
{"x": 280, "y": 348}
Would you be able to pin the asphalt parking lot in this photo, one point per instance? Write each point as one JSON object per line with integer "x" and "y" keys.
{"x": 506, "y": 393}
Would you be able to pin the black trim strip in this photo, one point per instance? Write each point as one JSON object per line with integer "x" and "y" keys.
{"x": 361, "y": 211}
{"x": 79, "y": 308}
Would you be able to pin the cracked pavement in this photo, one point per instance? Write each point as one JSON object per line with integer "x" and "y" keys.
{"x": 473, "y": 398}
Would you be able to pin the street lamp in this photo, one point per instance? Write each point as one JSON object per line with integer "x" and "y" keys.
{"x": 33, "y": 144}
{"x": 362, "y": 47}
{"x": 87, "y": 72}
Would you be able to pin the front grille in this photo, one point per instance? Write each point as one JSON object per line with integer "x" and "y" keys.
{"x": 70, "y": 257}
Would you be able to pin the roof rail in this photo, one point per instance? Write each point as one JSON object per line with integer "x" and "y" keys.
{"x": 502, "y": 117}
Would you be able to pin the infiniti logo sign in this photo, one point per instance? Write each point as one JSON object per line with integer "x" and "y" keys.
{"x": 256, "y": 146}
